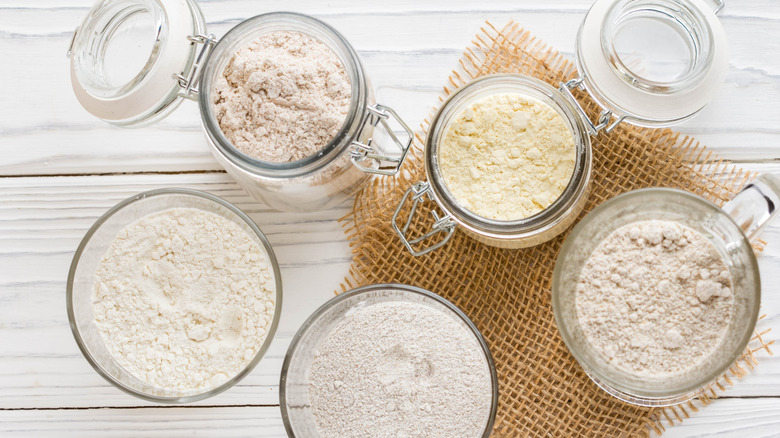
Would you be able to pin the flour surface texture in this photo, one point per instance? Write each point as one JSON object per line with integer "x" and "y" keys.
{"x": 398, "y": 369}
{"x": 507, "y": 156}
{"x": 283, "y": 97}
{"x": 184, "y": 299}
{"x": 655, "y": 299}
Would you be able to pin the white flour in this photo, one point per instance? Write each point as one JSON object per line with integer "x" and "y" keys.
{"x": 507, "y": 156}
{"x": 400, "y": 370}
{"x": 283, "y": 97}
{"x": 183, "y": 299}
{"x": 654, "y": 298}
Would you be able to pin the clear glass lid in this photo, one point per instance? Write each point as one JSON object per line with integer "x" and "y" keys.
{"x": 652, "y": 62}
{"x": 129, "y": 57}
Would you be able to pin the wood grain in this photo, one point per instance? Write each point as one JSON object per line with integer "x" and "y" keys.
{"x": 44, "y": 219}
{"x": 60, "y": 169}
{"x": 407, "y": 58}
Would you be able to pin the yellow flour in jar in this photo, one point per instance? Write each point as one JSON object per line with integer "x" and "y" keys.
{"x": 507, "y": 156}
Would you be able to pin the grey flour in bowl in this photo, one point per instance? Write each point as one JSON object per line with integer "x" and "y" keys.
{"x": 654, "y": 298}
{"x": 400, "y": 370}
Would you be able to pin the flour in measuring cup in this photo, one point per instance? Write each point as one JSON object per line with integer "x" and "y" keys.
{"x": 654, "y": 298}
{"x": 183, "y": 299}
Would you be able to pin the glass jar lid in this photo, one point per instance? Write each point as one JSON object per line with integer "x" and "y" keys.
{"x": 652, "y": 62}
{"x": 131, "y": 59}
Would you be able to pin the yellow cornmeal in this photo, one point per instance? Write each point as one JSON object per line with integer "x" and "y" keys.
{"x": 507, "y": 156}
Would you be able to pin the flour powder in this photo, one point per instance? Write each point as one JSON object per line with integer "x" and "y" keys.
{"x": 400, "y": 370}
{"x": 507, "y": 156}
{"x": 283, "y": 97}
{"x": 184, "y": 299}
{"x": 655, "y": 298}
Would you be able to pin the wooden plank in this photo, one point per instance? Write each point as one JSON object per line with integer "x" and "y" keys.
{"x": 259, "y": 421}
{"x": 42, "y": 221}
{"x": 725, "y": 418}
{"x": 407, "y": 57}
{"x": 735, "y": 418}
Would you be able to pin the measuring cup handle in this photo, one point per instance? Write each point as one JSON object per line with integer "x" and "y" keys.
{"x": 755, "y": 205}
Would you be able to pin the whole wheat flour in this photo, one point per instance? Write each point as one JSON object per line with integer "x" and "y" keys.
{"x": 184, "y": 299}
{"x": 283, "y": 97}
{"x": 654, "y": 298}
{"x": 400, "y": 370}
{"x": 507, "y": 156}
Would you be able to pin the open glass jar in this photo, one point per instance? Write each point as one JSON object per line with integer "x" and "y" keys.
{"x": 729, "y": 230}
{"x": 134, "y": 61}
{"x": 649, "y": 63}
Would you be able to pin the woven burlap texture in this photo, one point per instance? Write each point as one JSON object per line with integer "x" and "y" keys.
{"x": 543, "y": 391}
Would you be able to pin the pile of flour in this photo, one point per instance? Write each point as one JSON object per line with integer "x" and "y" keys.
{"x": 283, "y": 97}
{"x": 400, "y": 370}
{"x": 184, "y": 299}
{"x": 654, "y": 298}
{"x": 507, "y": 156}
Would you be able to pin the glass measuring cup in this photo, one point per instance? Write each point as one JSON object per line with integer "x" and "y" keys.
{"x": 729, "y": 229}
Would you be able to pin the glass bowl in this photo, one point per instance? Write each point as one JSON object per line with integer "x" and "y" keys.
{"x": 88, "y": 257}
{"x": 686, "y": 209}
{"x": 297, "y": 415}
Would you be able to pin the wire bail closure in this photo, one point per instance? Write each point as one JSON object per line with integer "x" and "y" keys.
{"x": 605, "y": 117}
{"x": 189, "y": 83}
{"x": 366, "y": 157}
{"x": 442, "y": 224}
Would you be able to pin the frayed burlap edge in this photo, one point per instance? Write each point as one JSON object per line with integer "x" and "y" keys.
{"x": 512, "y": 49}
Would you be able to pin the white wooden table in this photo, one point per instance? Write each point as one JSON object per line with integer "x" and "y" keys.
{"x": 60, "y": 169}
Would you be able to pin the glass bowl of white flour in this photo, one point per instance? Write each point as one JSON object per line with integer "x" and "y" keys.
{"x": 174, "y": 295}
{"x": 388, "y": 360}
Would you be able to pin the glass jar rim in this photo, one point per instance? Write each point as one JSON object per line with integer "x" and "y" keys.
{"x": 175, "y": 192}
{"x": 153, "y": 93}
{"x": 638, "y": 100}
{"x": 354, "y": 119}
{"x": 689, "y": 17}
{"x": 549, "y": 216}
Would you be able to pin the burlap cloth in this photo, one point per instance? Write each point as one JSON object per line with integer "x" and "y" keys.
{"x": 543, "y": 391}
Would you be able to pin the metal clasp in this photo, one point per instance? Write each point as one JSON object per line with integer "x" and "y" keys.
{"x": 442, "y": 224}
{"x": 719, "y": 4}
{"x": 605, "y": 117}
{"x": 190, "y": 82}
{"x": 72, "y": 42}
{"x": 366, "y": 157}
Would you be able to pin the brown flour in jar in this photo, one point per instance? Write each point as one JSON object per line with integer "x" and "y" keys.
{"x": 654, "y": 298}
{"x": 282, "y": 97}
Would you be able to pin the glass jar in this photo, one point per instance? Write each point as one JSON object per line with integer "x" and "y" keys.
{"x": 134, "y": 61}
{"x": 647, "y": 62}
{"x": 729, "y": 229}
{"x": 504, "y": 234}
